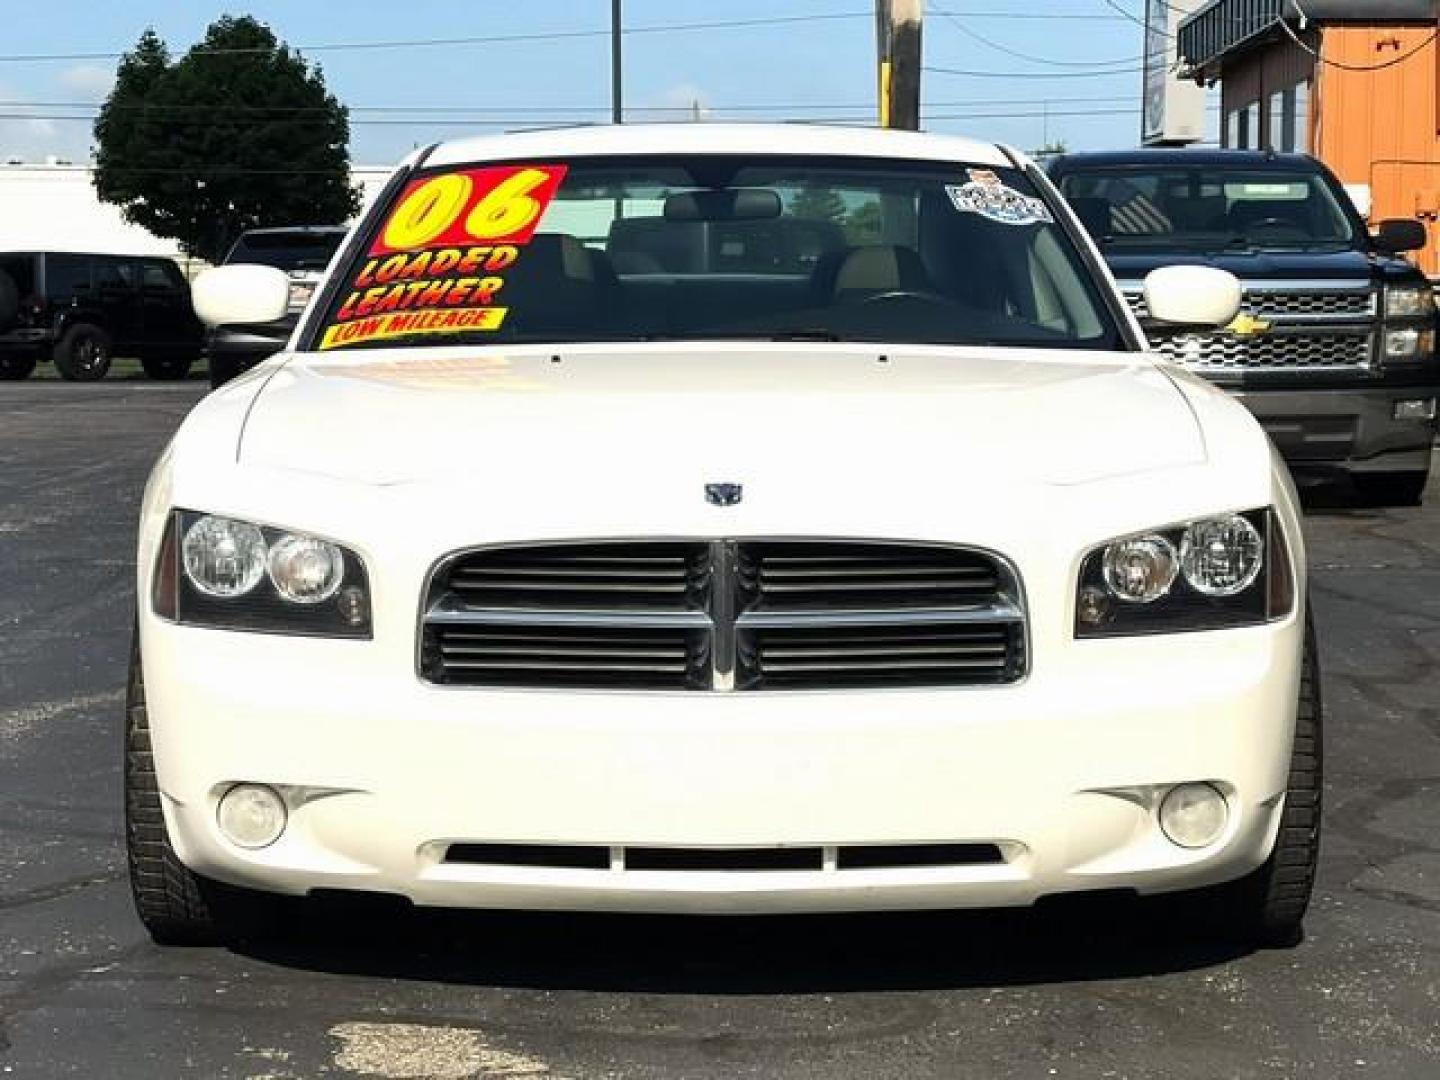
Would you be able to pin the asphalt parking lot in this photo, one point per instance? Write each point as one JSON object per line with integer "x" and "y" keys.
{"x": 1114, "y": 993}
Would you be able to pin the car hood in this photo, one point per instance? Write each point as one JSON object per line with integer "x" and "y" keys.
{"x": 786, "y": 414}
{"x": 1345, "y": 266}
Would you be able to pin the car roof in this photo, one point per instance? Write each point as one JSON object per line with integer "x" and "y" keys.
{"x": 1238, "y": 159}
{"x": 710, "y": 138}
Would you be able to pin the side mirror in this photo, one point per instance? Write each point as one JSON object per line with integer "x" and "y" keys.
{"x": 1399, "y": 234}
{"x": 230, "y": 295}
{"x": 1193, "y": 296}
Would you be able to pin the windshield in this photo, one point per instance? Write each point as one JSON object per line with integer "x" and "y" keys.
{"x": 286, "y": 251}
{"x": 715, "y": 247}
{"x": 1213, "y": 208}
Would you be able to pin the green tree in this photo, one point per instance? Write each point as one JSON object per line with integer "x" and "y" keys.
{"x": 818, "y": 204}
{"x": 865, "y": 224}
{"x": 239, "y": 133}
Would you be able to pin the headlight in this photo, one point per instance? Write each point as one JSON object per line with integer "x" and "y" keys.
{"x": 1208, "y": 574}
{"x": 222, "y": 557}
{"x": 1409, "y": 302}
{"x": 1407, "y": 343}
{"x": 1140, "y": 570}
{"x": 1221, "y": 556}
{"x": 235, "y": 575}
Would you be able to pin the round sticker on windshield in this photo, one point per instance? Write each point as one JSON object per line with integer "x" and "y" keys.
{"x": 996, "y": 202}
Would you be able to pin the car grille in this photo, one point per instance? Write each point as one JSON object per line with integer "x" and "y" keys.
{"x": 1309, "y": 330}
{"x": 1231, "y": 352}
{"x": 1279, "y": 303}
{"x": 723, "y": 615}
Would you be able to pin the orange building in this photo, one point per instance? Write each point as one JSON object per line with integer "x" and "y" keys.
{"x": 1354, "y": 83}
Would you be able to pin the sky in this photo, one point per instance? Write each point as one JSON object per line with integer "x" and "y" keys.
{"x": 1034, "y": 72}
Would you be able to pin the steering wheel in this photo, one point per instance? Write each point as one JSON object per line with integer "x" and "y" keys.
{"x": 1273, "y": 223}
{"x": 922, "y": 295}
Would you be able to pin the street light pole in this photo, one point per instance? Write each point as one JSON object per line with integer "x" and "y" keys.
{"x": 617, "y": 112}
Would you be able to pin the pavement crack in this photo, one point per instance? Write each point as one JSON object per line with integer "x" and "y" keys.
{"x": 43, "y": 893}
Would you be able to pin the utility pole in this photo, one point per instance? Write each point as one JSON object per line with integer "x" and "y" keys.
{"x": 897, "y": 36}
{"x": 617, "y": 111}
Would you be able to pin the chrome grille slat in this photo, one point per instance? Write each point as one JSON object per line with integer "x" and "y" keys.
{"x": 1311, "y": 329}
{"x": 723, "y": 615}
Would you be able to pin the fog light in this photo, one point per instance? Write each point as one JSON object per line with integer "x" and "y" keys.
{"x": 251, "y": 815}
{"x": 1193, "y": 815}
{"x": 1415, "y": 409}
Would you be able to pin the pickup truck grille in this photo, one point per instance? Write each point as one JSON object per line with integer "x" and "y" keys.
{"x": 1308, "y": 330}
{"x": 1231, "y": 352}
{"x": 1267, "y": 304}
{"x": 723, "y": 615}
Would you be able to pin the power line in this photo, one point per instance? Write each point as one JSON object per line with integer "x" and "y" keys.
{"x": 952, "y": 18}
{"x": 550, "y": 35}
{"x": 515, "y": 110}
{"x": 1033, "y": 74}
{"x": 1392, "y": 62}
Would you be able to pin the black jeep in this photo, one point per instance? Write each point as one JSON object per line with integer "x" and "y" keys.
{"x": 82, "y": 310}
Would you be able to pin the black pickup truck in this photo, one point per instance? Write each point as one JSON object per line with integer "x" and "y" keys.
{"x": 1334, "y": 348}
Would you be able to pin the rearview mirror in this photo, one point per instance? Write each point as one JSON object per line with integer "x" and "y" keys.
{"x": 232, "y": 295}
{"x": 729, "y": 204}
{"x": 1194, "y": 296}
{"x": 1399, "y": 234}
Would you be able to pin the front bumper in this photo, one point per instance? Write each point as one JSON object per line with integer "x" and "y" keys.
{"x": 1350, "y": 430}
{"x": 383, "y": 773}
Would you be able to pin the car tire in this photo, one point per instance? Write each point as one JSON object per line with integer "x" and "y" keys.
{"x": 15, "y": 367}
{"x": 176, "y": 905}
{"x": 222, "y": 370}
{"x": 1393, "y": 489}
{"x": 83, "y": 354}
{"x": 1267, "y": 907}
{"x": 168, "y": 368}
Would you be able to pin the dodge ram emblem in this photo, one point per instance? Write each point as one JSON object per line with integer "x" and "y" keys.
{"x": 724, "y": 494}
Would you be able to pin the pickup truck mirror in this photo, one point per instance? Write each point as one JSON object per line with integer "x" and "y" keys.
{"x": 233, "y": 295}
{"x": 1191, "y": 296}
{"x": 1399, "y": 234}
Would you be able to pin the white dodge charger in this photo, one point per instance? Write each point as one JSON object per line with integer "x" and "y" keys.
{"x": 727, "y": 520}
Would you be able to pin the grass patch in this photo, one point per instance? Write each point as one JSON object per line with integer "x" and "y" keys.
{"x": 123, "y": 369}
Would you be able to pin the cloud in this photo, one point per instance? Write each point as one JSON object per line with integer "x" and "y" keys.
{"x": 33, "y": 138}
{"x": 91, "y": 81}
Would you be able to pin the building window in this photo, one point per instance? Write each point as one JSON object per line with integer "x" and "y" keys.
{"x": 1250, "y": 127}
{"x": 1276, "y": 137}
{"x": 1232, "y": 129}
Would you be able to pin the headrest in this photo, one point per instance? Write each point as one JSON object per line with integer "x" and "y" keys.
{"x": 880, "y": 268}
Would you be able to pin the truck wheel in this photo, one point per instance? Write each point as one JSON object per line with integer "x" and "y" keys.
{"x": 16, "y": 366}
{"x": 166, "y": 367}
{"x": 1268, "y": 906}
{"x": 176, "y": 905}
{"x": 1393, "y": 489}
{"x": 83, "y": 354}
{"x": 222, "y": 370}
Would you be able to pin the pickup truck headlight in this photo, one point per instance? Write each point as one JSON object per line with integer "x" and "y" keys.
{"x": 234, "y": 575}
{"x": 1408, "y": 343}
{"x": 1209, "y": 574}
{"x": 1409, "y": 302}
